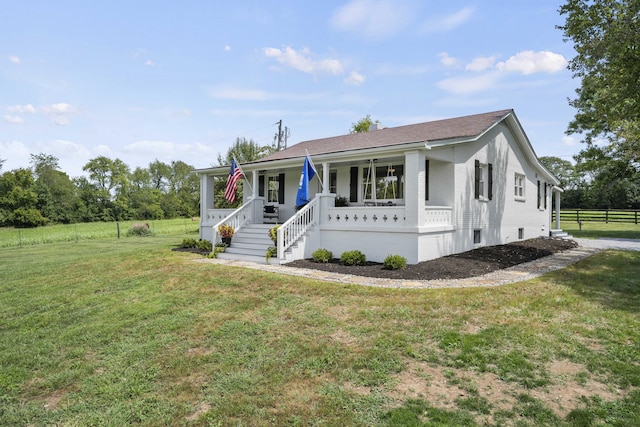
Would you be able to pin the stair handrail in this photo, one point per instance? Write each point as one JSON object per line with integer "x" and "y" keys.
{"x": 236, "y": 219}
{"x": 296, "y": 226}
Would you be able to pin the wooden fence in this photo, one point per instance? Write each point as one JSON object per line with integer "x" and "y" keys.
{"x": 602, "y": 215}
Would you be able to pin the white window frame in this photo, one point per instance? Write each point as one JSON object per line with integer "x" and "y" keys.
{"x": 519, "y": 186}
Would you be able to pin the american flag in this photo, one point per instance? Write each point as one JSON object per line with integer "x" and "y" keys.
{"x": 232, "y": 181}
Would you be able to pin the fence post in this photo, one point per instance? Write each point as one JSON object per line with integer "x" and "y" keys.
{"x": 606, "y": 216}
{"x": 578, "y": 216}
{"x": 118, "y": 227}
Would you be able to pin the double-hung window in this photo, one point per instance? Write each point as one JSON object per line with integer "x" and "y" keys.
{"x": 483, "y": 181}
{"x": 518, "y": 186}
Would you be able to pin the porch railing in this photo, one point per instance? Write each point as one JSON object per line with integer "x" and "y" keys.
{"x": 236, "y": 219}
{"x": 296, "y": 226}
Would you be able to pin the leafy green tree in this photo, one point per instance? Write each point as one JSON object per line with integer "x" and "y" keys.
{"x": 1, "y": 163}
{"x": 362, "y": 125}
{"x": 244, "y": 151}
{"x": 605, "y": 36}
{"x": 111, "y": 180}
{"x": 58, "y": 198}
{"x": 18, "y": 199}
{"x": 159, "y": 174}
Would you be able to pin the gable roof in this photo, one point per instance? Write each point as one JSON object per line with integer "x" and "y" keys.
{"x": 435, "y": 133}
{"x": 467, "y": 127}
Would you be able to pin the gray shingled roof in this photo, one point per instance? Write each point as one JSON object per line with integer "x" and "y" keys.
{"x": 467, "y": 127}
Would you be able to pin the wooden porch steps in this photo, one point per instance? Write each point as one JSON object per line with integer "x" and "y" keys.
{"x": 250, "y": 243}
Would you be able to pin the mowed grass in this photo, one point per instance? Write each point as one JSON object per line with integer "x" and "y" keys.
{"x": 11, "y": 237}
{"x": 594, "y": 230}
{"x": 128, "y": 332}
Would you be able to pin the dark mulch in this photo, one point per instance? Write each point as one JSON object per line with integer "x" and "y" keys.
{"x": 467, "y": 264}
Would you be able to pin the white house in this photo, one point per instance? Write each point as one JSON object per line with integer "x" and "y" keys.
{"x": 421, "y": 191}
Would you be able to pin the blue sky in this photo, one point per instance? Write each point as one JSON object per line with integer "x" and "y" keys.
{"x": 180, "y": 80}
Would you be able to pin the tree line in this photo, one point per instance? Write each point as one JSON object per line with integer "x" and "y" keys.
{"x": 43, "y": 194}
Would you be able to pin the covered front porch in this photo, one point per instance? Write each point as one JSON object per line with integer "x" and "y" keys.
{"x": 404, "y": 194}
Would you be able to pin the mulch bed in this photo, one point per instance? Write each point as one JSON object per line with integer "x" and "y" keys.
{"x": 459, "y": 266}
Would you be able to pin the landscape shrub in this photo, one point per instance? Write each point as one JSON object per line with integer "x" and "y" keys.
{"x": 139, "y": 229}
{"x": 188, "y": 243}
{"x": 353, "y": 258}
{"x": 271, "y": 252}
{"x": 395, "y": 262}
{"x": 204, "y": 246}
{"x": 322, "y": 255}
{"x": 27, "y": 218}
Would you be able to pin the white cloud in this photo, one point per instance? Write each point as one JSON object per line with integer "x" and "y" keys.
{"x": 22, "y": 109}
{"x": 149, "y": 63}
{"x": 59, "y": 113}
{"x": 569, "y": 140}
{"x": 481, "y": 63}
{"x": 102, "y": 150}
{"x": 303, "y": 61}
{"x": 355, "y": 79}
{"x": 449, "y": 22}
{"x": 448, "y": 61}
{"x": 14, "y": 59}
{"x": 463, "y": 85}
{"x": 13, "y": 119}
{"x": 227, "y": 48}
{"x": 15, "y": 154}
{"x": 374, "y": 19}
{"x": 530, "y": 62}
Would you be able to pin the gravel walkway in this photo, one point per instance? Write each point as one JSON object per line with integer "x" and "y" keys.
{"x": 513, "y": 274}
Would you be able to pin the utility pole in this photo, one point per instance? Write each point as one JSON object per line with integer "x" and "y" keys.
{"x": 280, "y": 139}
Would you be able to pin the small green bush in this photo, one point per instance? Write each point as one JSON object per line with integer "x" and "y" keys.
{"x": 188, "y": 243}
{"x": 353, "y": 258}
{"x": 204, "y": 246}
{"x": 322, "y": 255}
{"x": 271, "y": 252}
{"x": 395, "y": 262}
{"x": 139, "y": 229}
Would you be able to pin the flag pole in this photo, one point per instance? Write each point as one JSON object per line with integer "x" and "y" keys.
{"x": 245, "y": 176}
{"x": 314, "y": 168}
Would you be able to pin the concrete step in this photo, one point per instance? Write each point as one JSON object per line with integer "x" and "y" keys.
{"x": 561, "y": 234}
{"x": 247, "y": 258}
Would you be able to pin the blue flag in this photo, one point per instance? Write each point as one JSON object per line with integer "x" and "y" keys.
{"x": 308, "y": 172}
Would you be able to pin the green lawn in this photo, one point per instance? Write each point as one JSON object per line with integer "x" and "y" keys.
{"x": 127, "y": 332}
{"x": 11, "y": 237}
{"x": 593, "y": 230}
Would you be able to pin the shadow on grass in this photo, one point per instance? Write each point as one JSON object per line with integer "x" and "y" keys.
{"x": 609, "y": 279}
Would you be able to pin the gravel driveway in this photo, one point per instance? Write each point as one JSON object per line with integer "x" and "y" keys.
{"x": 610, "y": 243}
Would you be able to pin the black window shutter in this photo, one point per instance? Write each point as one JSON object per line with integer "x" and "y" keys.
{"x": 426, "y": 179}
{"x": 490, "y": 182}
{"x": 261, "y": 185}
{"x": 545, "y": 196}
{"x": 281, "y": 189}
{"x": 353, "y": 185}
{"x": 538, "y": 194}
{"x": 477, "y": 180}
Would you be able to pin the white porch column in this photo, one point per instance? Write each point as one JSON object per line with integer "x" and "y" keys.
{"x": 206, "y": 200}
{"x": 414, "y": 190}
{"x": 254, "y": 184}
{"x": 325, "y": 178}
{"x": 557, "y": 196}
